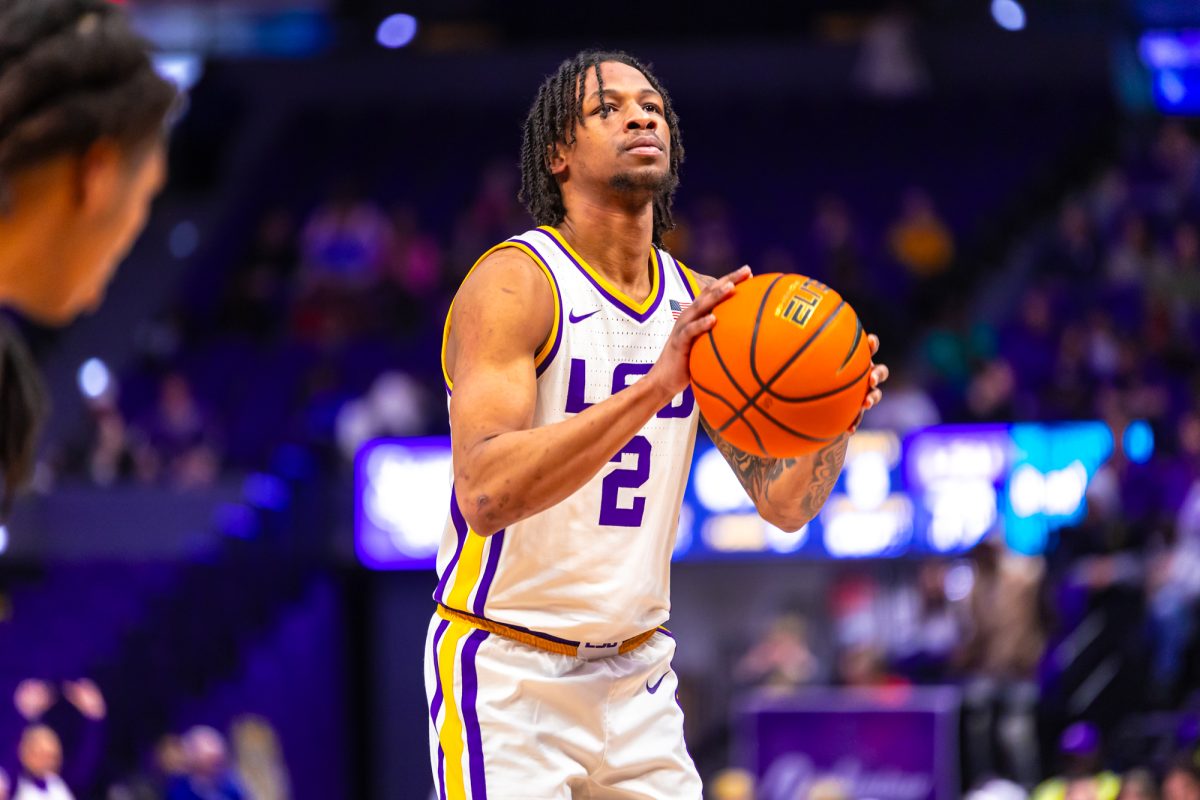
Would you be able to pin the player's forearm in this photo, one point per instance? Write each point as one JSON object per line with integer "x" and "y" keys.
{"x": 788, "y": 492}
{"x": 509, "y": 477}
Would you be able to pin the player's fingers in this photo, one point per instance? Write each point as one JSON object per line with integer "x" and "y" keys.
{"x": 740, "y": 274}
{"x": 879, "y": 374}
{"x": 873, "y": 343}
{"x": 873, "y": 399}
{"x": 709, "y": 299}
{"x": 697, "y": 327}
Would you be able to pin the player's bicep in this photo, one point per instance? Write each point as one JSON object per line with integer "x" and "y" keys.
{"x": 502, "y": 315}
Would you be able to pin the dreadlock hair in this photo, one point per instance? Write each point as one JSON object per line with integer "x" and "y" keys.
{"x": 556, "y": 110}
{"x": 72, "y": 72}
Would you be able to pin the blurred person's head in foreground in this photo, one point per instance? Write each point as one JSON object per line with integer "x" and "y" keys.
{"x": 82, "y": 150}
{"x": 40, "y": 751}
{"x": 82, "y": 153}
{"x": 205, "y": 752}
{"x": 1079, "y": 749}
{"x": 1082, "y": 787}
{"x": 1182, "y": 779}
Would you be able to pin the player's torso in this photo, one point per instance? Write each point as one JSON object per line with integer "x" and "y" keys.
{"x": 596, "y": 566}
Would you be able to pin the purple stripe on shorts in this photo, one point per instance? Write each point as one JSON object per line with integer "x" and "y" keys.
{"x": 436, "y": 706}
{"x": 489, "y": 572}
{"x": 649, "y": 312}
{"x": 470, "y": 690}
{"x": 460, "y": 527}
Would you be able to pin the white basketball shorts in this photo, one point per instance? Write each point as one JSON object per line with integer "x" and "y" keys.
{"x": 509, "y": 721}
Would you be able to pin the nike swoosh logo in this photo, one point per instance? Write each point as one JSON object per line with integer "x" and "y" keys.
{"x": 652, "y": 689}
{"x": 581, "y": 318}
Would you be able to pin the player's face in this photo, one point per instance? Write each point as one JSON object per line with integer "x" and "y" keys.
{"x": 117, "y": 188}
{"x": 628, "y": 149}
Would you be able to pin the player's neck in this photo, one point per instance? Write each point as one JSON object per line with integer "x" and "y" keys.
{"x": 29, "y": 253}
{"x": 614, "y": 241}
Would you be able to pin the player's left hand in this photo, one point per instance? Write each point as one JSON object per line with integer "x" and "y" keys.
{"x": 879, "y": 374}
{"x": 86, "y": 696}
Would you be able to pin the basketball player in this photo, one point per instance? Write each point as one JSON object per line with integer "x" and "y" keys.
{"x": 547, "y": 671}
{"x": 82, "y": 116}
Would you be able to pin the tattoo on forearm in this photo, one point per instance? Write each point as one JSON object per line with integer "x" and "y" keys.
{"x": 827, "y": 463}
{"x": 757, "y": 475}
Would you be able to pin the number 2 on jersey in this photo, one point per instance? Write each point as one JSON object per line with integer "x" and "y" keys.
{"x": 611, "y": 513}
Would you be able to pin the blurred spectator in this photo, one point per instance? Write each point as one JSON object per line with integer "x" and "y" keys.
{"x": 732, "y": 784}
{"x": 1182, "y": 780}
{"x": 829, "y": 789}
{"x": 169, "y": 765}
{"x": 259, "y": 759}
{"x": 781, "y": 660}
{"x": 1134, "y": 261}
{"x": 112, "y": 456}
{"x": 999, "y": 659}
{"x": 208, "y": 775}
{"x": 1178, "y": 156}
{"x": 493, "y": 216}
{"x": 346, "y": 243}
{"x": 888, "y": 64}
{"x": 394, "y": 406}
{"x": 997, "y": 789}
{"x": 922, "y": 243}
{"x": 5, "y": 785}
{"x": 1138, "y": 784}
{"x": 260, "y": 288}
{"x": 1082, "y": 771}
{"x": 924, "y": 630}
{"x": 40, "y": 752}
{"x": 416, "y": 264}
{"x": 908, "y": 407}
{"x": 1074, "y": 254}
{"x": 837, "y": 249}
{"x": 180, "y": 442}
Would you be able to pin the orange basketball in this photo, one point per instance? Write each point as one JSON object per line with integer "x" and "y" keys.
{"x": 786, "y": 368}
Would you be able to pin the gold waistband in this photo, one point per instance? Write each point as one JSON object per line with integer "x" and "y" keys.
{"x": 532, "y": 639}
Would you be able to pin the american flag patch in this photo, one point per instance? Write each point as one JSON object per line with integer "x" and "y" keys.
{"x": 678, "y": 308}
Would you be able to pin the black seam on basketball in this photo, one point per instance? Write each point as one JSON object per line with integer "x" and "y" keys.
{"x": 822, "y": 395}
{"x": 732, "y": 408}
{"x": 733, "y": 381}
{"x": 853, "y": 345}
{"x": 754, "y": 336}
{"x": 792, "y": 431}
{"x": 750, "y": 401}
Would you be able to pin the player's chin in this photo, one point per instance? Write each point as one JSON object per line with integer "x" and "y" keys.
{"x": 649, "y": 178}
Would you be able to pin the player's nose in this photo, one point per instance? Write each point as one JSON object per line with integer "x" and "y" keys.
{"x": 641, "y": 119}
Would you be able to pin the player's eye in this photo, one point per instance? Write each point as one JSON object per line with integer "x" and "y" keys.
{"x": 651, "y": 107}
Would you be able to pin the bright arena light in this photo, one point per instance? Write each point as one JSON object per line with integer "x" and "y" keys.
{"x": 1008, "y": 14}
{"x": 3, "y": 538}
{"x": 396, "y": 31}
{"x": 94, "y": 378}
{"x": 717, "y": 487}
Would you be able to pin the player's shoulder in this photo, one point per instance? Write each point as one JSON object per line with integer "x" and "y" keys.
{"x": 699, "y": 277}
{"x": 508, "y": 270}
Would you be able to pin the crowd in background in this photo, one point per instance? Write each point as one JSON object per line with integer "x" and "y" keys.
{"x": 1104, "y": 328}
{"x": 59, "y": 752}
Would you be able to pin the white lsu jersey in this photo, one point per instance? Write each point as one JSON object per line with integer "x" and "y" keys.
{"x": 595, "y": 567}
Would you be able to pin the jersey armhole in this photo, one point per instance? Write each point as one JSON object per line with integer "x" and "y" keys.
{"x": 545, "y": 354}
{"x": 689, "y": 277}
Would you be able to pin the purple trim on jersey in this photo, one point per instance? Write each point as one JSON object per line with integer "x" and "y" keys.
{"x": 489, "y": 572}
{"x": 687, "y": 285}
{"x": 612, "y": 299}
{"x": 560, "y": 323}
{"x": 664, "y": 631}
{"x": 470, "y": 690}
{"x": 436, "y": 706}
{"x": 460, "y": 527}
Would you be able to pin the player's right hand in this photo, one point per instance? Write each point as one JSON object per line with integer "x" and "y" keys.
{"x": 671, "y": 370}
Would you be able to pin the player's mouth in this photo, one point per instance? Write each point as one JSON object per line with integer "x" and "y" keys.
{"x": 645, "y": 146}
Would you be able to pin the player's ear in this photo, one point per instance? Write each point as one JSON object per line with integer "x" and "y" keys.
{"x": 556, "y": 158}
{"x": 99, "y": 177}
